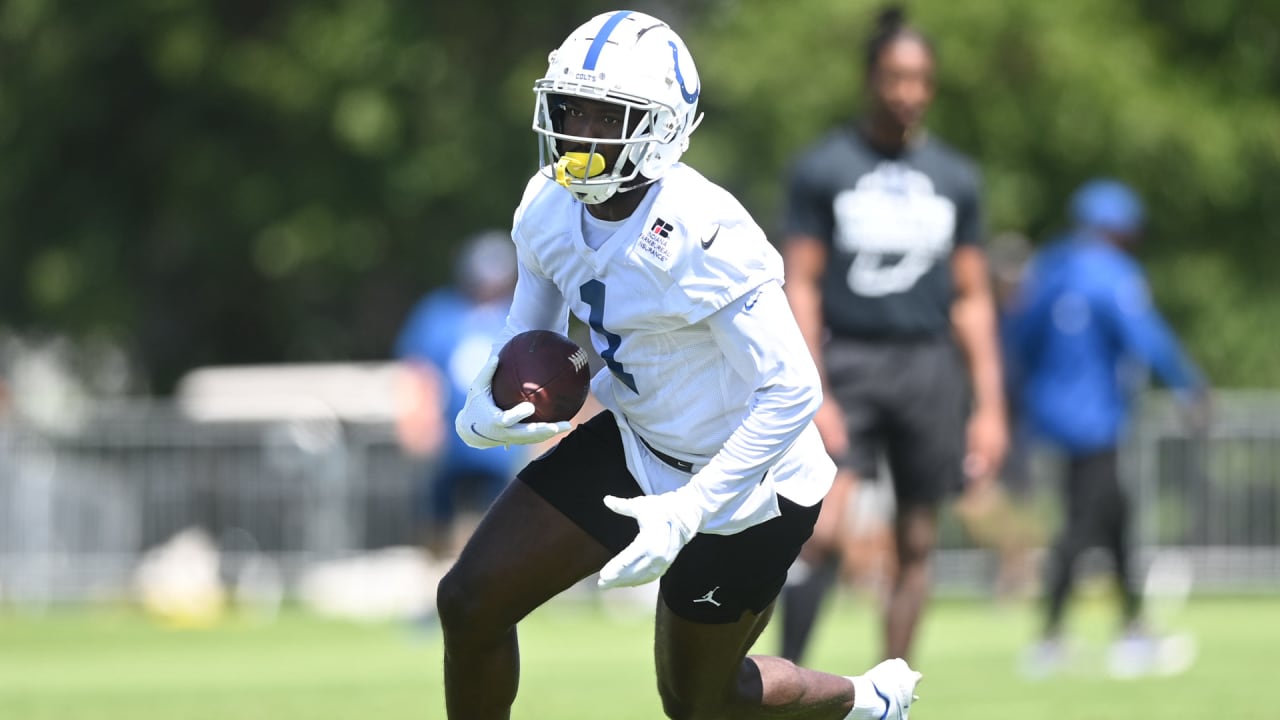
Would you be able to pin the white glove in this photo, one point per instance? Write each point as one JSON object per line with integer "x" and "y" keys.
{"x": 482, "y": 424}
{"x": 667, "y": 523}
{"x": 885, "y": 691}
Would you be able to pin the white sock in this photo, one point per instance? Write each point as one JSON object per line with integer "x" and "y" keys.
{"x": 867, "y": 705}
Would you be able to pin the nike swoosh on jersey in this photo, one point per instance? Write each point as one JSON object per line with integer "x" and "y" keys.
{"x": 707, "y": 243}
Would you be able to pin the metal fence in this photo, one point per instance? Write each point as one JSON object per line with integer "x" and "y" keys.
{"x": 79, "y": 506}
{"x": 78, "y": 509}
{"x": 1214, "y": 499}
{"x": 1210, "y": 500}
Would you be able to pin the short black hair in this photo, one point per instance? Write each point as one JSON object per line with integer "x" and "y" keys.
{"x": 891, "y": 24}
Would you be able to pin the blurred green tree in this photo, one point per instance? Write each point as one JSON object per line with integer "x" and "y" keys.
{"x": 1179, "y": 98}
{"x": 237, "y": 181}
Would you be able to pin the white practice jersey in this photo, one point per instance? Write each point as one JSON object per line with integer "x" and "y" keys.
{"x": 704, "y": 360}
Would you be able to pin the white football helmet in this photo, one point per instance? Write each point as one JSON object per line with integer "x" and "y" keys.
{"x": 638, "y": 62}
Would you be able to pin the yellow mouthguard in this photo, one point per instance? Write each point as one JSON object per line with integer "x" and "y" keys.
{"x": 578, "y": 164}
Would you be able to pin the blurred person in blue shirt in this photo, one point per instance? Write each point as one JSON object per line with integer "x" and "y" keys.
{"x": 447, "y": 335}
{"x": 1083, "y": 325}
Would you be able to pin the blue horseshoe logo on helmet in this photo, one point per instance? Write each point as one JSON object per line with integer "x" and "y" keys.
{"x": 675, "y": 57}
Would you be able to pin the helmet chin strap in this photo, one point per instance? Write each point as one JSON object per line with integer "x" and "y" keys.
{"x": 644, "y": 182}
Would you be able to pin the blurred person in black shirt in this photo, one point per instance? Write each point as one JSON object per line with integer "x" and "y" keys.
{"x": 888, "y": 280}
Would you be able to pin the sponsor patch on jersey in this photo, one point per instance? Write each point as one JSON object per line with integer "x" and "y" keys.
{"x": 654, "y": 244}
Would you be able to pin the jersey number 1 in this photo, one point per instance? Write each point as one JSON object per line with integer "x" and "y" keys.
{"x": 592, "y": 293}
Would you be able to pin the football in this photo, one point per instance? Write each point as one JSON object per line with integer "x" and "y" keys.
{"x": 546, "y": 369}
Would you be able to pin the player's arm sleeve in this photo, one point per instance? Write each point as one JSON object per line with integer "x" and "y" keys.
{"x": 1126, "y": 303}
{"x": 758, "y": 335}
{"x": 537, "y": 303}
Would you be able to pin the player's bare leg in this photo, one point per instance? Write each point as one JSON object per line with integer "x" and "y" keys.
{"x": 704, "y": 673}
{"x": 916, "y": 532}
{"x": 523, "y": 553}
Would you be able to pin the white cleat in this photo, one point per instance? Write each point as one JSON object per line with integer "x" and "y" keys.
{"x": 1139, "y": 655}
{"x": 1044, "y": 659}
{"x": 895, "y": 684}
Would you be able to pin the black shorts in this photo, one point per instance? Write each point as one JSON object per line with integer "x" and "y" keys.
{"x": 908, "y": 399}
{"x": 715, "y": 577}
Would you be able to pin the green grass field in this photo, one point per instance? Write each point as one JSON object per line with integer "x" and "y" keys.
{"x": 583, "y": 664}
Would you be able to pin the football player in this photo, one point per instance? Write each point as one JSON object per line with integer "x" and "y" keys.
{"x": 704, "y": 472}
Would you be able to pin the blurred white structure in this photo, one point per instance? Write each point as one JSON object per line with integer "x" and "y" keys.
{"x": 289, "y": 469}
{"x": 348, "y": 392}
